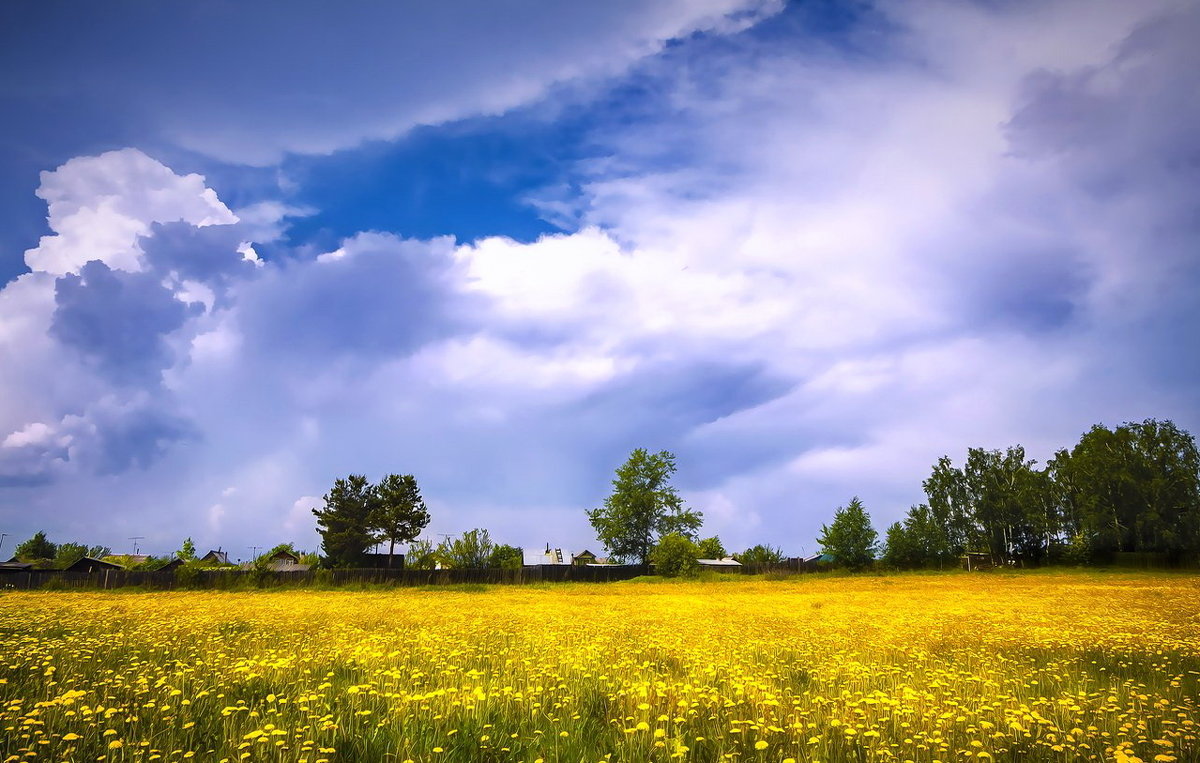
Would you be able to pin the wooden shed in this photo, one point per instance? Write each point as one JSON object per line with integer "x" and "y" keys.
{"x": 88, "y": 564}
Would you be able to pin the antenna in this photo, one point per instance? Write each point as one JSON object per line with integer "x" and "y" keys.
{"x": 2, "y": 537}
{"x": 253, "y": 552}
{"x": 135, "y": 539}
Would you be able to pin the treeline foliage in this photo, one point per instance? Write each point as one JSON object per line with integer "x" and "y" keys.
{"x": 474, "y": 550}
{"x": 643, "y": 508}
{"x": 358, "y": 514}
{"x": 1132, "y": 488}
{"x": 43, "y": 553}
{"x": 850, "y": 539}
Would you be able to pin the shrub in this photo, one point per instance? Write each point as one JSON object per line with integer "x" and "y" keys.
{"x": 675, "y": 555}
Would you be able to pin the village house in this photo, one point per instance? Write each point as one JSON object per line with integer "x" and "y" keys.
{"x": 727, "y": 563}
{"x": 584, "y": 557}
{"x": 88, "y": 564}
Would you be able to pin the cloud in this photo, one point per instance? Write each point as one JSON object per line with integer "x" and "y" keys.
{"x": 99, "y": 206}
{"x": 326, "y": 79}
{"x": 809, "y": 269}
{"x": 118, "y": 321}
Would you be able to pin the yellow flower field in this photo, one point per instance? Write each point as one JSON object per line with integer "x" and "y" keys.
{"x": 1056, "y": 666}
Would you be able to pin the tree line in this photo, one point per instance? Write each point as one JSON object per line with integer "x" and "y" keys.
{"x": 1132, "y": 488}
{"x": 1135, "y": 487}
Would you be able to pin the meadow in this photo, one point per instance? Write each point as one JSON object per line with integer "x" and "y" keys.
{"x": 1044, "y": 666}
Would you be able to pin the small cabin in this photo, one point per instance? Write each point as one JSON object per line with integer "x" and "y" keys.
{"x": 216, "y": 557}
{"x": 88, "y": 564}
{"x": 728, "y": 563}
{"x": 171, "y": 566}
{"x": 283, "y": 558}
{"x": 583, "y": 558}
{"x": 374, "y": 561}
{"x": 977, "y": 560}
{"x": 14, "y": 566}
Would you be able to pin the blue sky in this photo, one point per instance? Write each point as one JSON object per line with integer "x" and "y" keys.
{"x": 808, "y": 247}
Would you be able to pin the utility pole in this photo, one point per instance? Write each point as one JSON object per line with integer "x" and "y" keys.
{"x": 2, "y": 537}
{"x": 135, "y": 539}
{"x": 253, "y": 552}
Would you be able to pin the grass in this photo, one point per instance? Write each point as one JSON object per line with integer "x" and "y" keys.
{"x": 1041, "y": 666}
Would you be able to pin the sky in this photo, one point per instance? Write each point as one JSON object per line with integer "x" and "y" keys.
{"x": 808, "y": 247}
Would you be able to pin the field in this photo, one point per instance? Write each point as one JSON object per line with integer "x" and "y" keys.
{"x": 1050, "y": 666}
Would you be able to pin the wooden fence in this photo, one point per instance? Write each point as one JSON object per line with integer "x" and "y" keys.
{"x": 219, "y": 579}
{"x": 227, "y": 579}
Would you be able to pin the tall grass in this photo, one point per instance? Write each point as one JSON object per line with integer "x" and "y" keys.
{"x": 1052, "y": 666}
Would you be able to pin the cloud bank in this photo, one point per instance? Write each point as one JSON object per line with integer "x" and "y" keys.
{"x": 808, "y": 269}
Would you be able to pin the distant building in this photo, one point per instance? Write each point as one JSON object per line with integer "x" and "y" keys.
{"x": 216, "y": 557}
{"x": 171, "y": 566}
{"x": 124, "y": 561}
{"x": 549, "y": 556}
{"x": 283, "y": 557}
{"x": 728, "y": 563}
{"x": 583, "y": 558}
{"x": 977, "y": 560}
{"x": 286, "y": 566}
{"x": 88, "y": 564}
{"x": 814, "y": 561}
{"x": 380, "y": 561}
{"x": 14, "y": 566}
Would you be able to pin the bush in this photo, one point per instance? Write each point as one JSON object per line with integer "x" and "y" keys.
{"x": 187, "y": 575}
{"x": 675, "y": 555}
{"x": 761, "y": 555}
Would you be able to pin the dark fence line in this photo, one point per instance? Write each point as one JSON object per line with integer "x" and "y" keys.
{"x": 241, "y": 579}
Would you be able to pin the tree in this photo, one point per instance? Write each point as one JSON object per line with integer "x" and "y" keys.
{"x": 67, "y": 554}
{"x": 472, "y": 551}
{"x": 506, "y": 557}
{"x": 643, "y": 507}
{"x": 1132, "y": 488}
{"x": 761, "y": 555}
{"x": 37, "y": 547}
{"x": 345, "y": 523}
{"x": 928, "y": 542}
{"x": 421, "y": 556}
{"x": 711, "y": 548}
{"x": 850, "y": 538}
{"x": 187, "y": 552}
{"x": 946, "y": 492}
{"x": 900, "y": 550}
{"x": 400, "y": 512}
{"x": 675, "y": 555}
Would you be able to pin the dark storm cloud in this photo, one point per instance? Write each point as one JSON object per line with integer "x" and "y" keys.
{"x": 209, "y": 255}
{"x": 118, "y": 321}
{"x": 384, "y": 297}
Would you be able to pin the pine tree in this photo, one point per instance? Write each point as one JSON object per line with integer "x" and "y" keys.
{"x": 850, "y": 538}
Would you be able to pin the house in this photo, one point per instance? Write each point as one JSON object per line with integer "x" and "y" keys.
{"x": 549, "y": 556}
{"x": 13, "y": 566}
{"x": 283, "y": 557}
{"x": 288, "y": 566}
{"x": 816, "y": 561}
{"x": 284, "y": 561}
{"x": 584, "y": 557}
{"x": 976, "y": 560}
{"x": 216, "y": 557}
{"x": 380, "y": 561}
{"x": 88, "y": 564}
{"x": 171, "y": 566}
{"x": 124, "y": 561}
{"x": 728, "y": 563}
